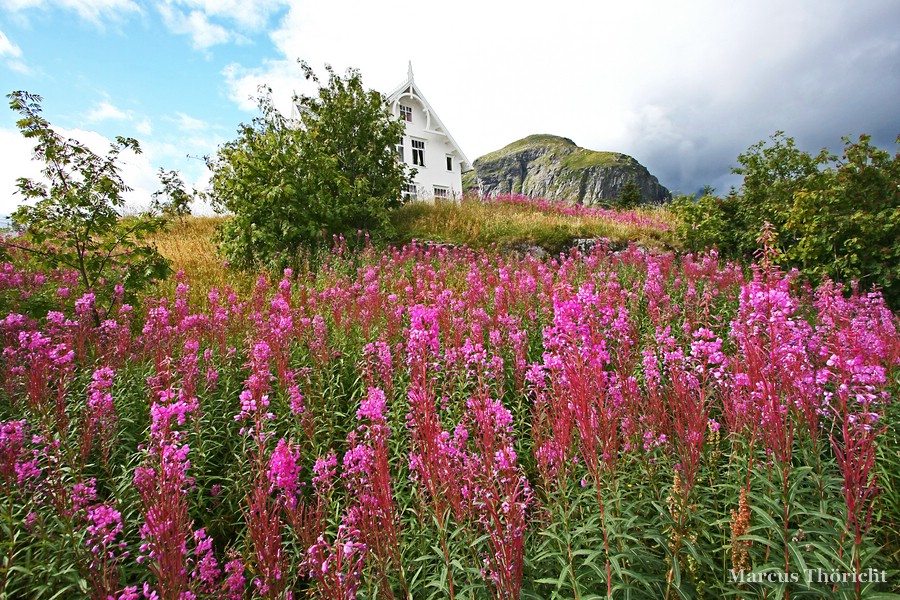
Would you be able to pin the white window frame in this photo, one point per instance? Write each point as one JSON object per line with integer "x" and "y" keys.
{"x": 406, "y": 113}
{"x": 441, "y": 191}
{"x": 450, "y": 163}
{"x": 401, "y": 149}
{"x": 418, "y": 152}
{"x": 411, "y": 192}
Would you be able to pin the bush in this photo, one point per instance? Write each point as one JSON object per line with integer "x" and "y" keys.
{"x": 833, "y": 218}
{"x": 289, "y": 184}
{"x": 629, "y": 195}
{"x": 73, "y": 223}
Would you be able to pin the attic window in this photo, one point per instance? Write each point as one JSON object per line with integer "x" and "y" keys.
{"x": 406, "y": 113}
{"x": 449, "y": 163}
{"x": 418, "y": 148}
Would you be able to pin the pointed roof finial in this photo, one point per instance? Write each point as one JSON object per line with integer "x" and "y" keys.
{"x": 409, "y": 74}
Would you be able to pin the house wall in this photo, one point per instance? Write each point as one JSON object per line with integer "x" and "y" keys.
{"x": 437, "y": 148}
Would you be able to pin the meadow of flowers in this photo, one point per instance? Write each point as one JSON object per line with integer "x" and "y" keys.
{"x": 626, "y": 217}
{"x": 439, "y": 422}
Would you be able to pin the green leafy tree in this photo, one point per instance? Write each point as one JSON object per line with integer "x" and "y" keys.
{"x": 707, "y": 221}
{"x": 629, "y": 195}
{"x": 773, "y": 172}
{"x": 834, "y": 218}
{"x": 848, "y": 227}
{"x": 289, "y": 184}
{"x": 70, "y": 217}
{"x": 173, "y": 199}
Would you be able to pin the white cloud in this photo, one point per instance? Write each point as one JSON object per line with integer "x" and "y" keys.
{"x": 203, "y": 33}
{"x": 15, "y": 162}
{"x": 138, "y": 171}
{"x": 189, "y": 123}
{"x": 213, "y": 22}
{"x": 7, "y": 48}
{"x": 283, "y": 76}
{"x": 95, "y": 11}
{"x": 105, "y": 111}
{"x": 12, "y": 53}
{"x": 144, "y": 127}
{"x": 252, "y": 15}
{"x": 19, "y": 67}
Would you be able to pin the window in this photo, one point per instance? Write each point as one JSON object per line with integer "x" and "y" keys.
{"x": 418, "y": 157}
{"x": 410, "y": 192}
{"x": 406, "y": 113}
{"x": 441, "y": 192}
{"x": 400, "y": 152}
{"x": 449, "y": 163}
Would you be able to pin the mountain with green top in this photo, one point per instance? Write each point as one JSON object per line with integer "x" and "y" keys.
{"x": 554, "y": 167}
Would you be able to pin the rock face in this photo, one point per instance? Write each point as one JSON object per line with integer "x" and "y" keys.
{"x": 553, "y": 167}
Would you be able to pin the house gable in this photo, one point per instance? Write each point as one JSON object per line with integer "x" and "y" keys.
{"x": 427, "y": 146}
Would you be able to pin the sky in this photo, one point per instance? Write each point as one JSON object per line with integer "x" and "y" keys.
{"x": 682, "y": 86}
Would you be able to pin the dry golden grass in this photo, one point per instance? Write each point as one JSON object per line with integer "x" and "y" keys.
{"x": 189, "y": 245}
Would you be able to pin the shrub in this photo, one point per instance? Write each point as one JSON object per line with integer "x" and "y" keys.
{"x": 832, "y": 218}
{"x": 288, "y": 184}
{"x": 73, "y": 223}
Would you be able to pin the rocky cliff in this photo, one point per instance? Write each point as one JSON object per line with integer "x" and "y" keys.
{"x": 553, "y": 167}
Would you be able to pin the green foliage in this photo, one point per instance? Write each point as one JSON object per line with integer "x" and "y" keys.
{"x": 834, "y": 218}
{"x": 629, "y": 195}
{"x": 173, "y": 189}
{"x": 290, "y": 183}
{"x": 72, "y": 221}
{"x": 849, "y": 228}
{"x": 773, "y": 173}
{"x": 706, "y": 222}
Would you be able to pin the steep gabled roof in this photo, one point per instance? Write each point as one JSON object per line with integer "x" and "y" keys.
{"x": 434, "y": 124}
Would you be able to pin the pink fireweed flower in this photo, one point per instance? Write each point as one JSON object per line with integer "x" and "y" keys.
{"x": 500, "y": 494}
{"x": 337, "y": 566}
{"x": 423, "y": 337}
{"x": 324, "y": 472}
{"x": 85, "y": 304}
{"x": 233, "y": 586}
{"x": 254, "y": 398}
{"x": 367, "y": 477}
{"x": 379, "y": 363}
{"x": 295, "y": 396}
{"x": 12, "y": 448}
{"x": 284, "y": 468}
{"x": 129, "y": 593}
{"x": 264, "y": 524}
{"x": 18, "y": 466}
{"x": 206, "y": 570}
{"x": 84, "y": 494}
{"x": 105, "y": 523}
{"x": 162, "y": 484}
{"x": 372, "y": 407}
{"x": 101, "y": 412}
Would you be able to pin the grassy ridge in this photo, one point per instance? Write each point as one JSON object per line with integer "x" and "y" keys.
{"x": 189, "y": 244}
{"x": 480, "y": 224}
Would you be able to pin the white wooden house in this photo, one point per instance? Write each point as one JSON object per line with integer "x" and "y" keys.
{"x": 427, "y": 146}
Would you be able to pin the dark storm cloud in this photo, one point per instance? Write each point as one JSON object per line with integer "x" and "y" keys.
{"x": 842, "y": 79}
